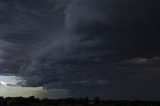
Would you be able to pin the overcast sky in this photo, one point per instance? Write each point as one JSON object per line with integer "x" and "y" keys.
{"x": 72, "y": 48}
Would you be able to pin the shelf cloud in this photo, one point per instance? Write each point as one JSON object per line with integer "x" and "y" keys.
{"x": 107, "y": 48}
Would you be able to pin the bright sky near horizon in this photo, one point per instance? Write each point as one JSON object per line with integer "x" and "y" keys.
{"x": 16, "y": 90}
{"x": 20, "y": 91}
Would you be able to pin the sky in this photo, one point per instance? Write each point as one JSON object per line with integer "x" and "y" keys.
{"x": 78, "y": 48}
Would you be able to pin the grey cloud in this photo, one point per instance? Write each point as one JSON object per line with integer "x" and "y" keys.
{"x": 86, "y": 47}
{"x": 26, "y": 27}
{"x": 109, "y": 37}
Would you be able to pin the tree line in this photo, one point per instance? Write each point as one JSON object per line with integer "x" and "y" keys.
{"x": 32, "y": 101}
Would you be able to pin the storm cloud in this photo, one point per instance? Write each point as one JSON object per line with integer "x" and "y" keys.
{"x": 107, "y": 48}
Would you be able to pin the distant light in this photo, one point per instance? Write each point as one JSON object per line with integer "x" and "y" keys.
{"x": 3, "y": 83}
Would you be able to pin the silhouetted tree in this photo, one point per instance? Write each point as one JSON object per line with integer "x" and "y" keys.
{"x": 32, "y": 101}
{"x": 97, "y": 100}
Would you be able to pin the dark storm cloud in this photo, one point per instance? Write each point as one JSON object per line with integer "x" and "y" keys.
{"x": 25, "y": 26}
{"x": 107, "y": 48}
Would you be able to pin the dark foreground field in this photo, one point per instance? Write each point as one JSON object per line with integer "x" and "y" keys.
{"x": 32, "y": 101}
